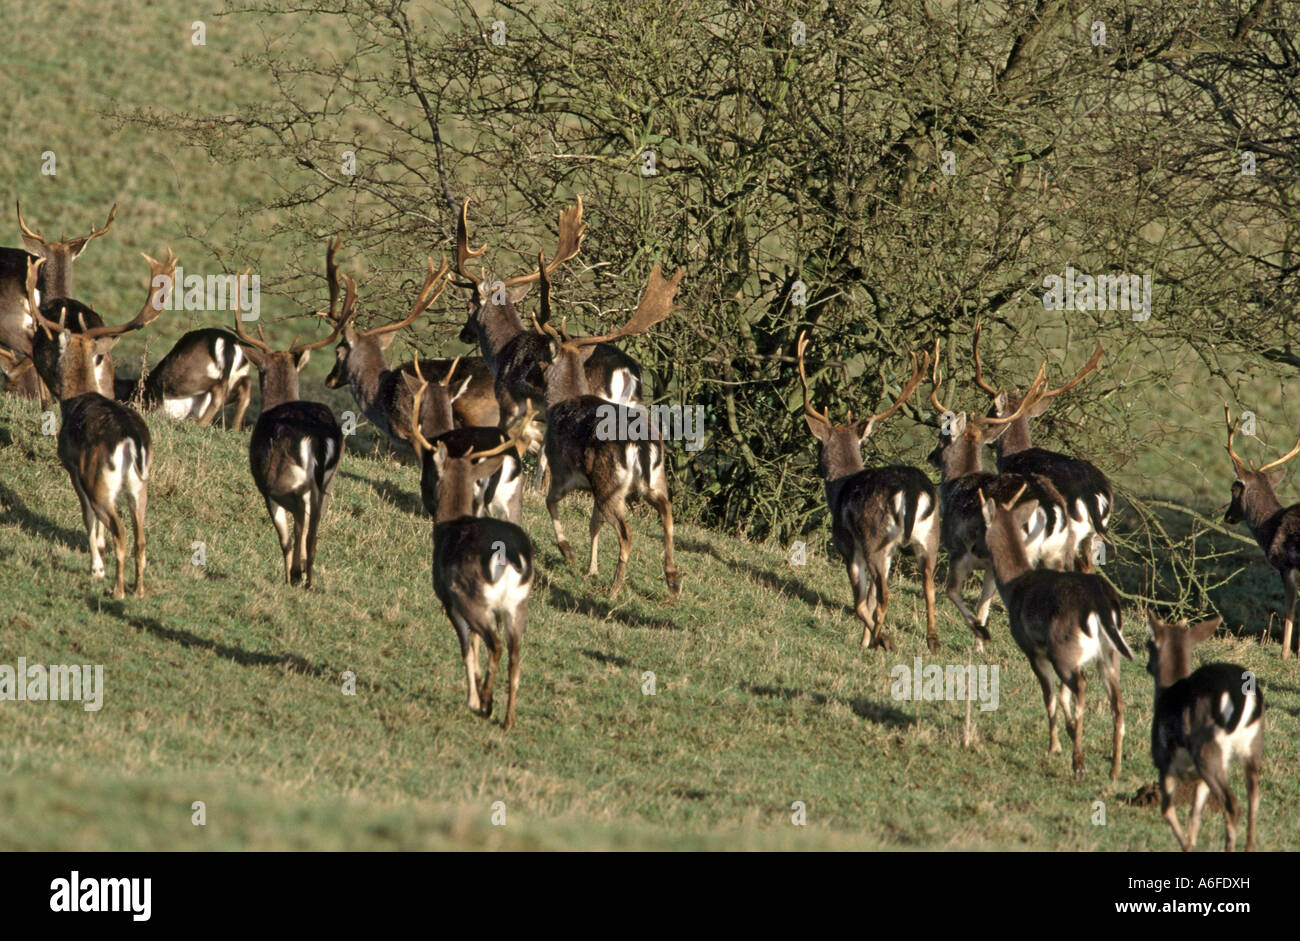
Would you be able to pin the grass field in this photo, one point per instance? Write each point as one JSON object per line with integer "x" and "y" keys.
{"x": 224, "y": 686}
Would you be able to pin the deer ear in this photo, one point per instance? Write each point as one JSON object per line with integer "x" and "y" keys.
{"x": 988, "y": 508}
{"x": 36, "y": 247}
{"x": 1204, "y": 629}
{"x": 439, "y": 456}
{"x": 1275, "y": 476}
{"x": 586, "y": 353}
{"x": 1157, "y": 628}
{"x": 412, "y": 382}
{"x": 1038, "y": 408}
{"x": 958, "y": 426}
{"x": 461, "y": 391}
{"x": 821, "y": 431}
{"x": 255, "y": 356}
{"x": 993, "y": 433}
{"x": 518, "y": 292}
{"x": 862, "y": 428}
{"x": 300, "y": 359}
{"x": 1000, "y": 405}
{"x": 386, "y": 340}
{"x": 487, "y": 467}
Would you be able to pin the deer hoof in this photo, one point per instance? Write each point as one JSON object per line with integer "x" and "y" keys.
{"x": 674, "y": 582}
{"x": 567, "y": 552}
{"x": 883, "y": 641}
{"x": 933, "y": 644}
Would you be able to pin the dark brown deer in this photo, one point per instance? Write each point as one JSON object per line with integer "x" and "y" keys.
{"x": 295, "y": 447}
{"x": 499, "y": 495}
{"x": 379, "y": 392}
{"x": 54, "y": 281}
{"x": 1040, "y": 510}
{"x": 204, "y": 371}
{"x": 103, "y": 444}
{"x": 482, "y": 567}
{"x": 1062, "y": 621}
{"x": 20, "y": 375}
{"x": 583, "y": 446}
{"x": 1203, "y": 723}
{"x": 1087, "y": 492}
{"x": 876, "y": 512}
{"x": 1276, "y": 529}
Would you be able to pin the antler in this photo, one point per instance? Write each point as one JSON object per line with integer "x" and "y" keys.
{"x": 918, "y": 373}
{"x": 572, "y": 232}
{"x": 426, "y": 297}
{"x": 517, "y": 440}
{"x": 800, "y": 345}
{"x": 259, "y": 344}
{"x": 1282, "y": 460}
{"x": 656, "y": 304}
{"x": 1232, "y": 428}
{"x": 936, "y": 378}
{"x": 153, "y": 305}
{"x": 1031, "y": 399}
{"x": 463, "y": 253}
{"x": 332, "y": 272}
{"x": 979, "y": 367}
{"x": 1010, "y": 504}
{"x": 94, "y": 233}
{"x": 420, "y": 442}
{"x": 544, "y": 278}
{"x": 1087, "y": 368}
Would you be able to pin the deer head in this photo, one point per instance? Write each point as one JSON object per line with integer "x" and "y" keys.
{"x": 59, "y": 255}
{"x": 1169, "y": 647}
{"x": 1254, "y": 493}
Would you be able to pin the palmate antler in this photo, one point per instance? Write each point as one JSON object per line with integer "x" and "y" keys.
{"x": 1046, "y": 395}
{"x": 1032, "y": 397}
{"x": 572, "y": 230}
{"x": 918, "y": 374}
{"x": 76, "y": 244}
{"x": 152, "y": 309}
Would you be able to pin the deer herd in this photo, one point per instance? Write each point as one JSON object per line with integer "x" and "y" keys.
{"x": 1033, "y": 525}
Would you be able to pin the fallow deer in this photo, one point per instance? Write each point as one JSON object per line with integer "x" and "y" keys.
{"x": 482, "y": 567}
{"x": 1276, "y": 529}
{"x": 54, "y": 281}
{"x": 1040, "y": 510}
{"x": 379, "y": 392}
{"x": 499, "y": 495}
{"x": 1087, "y": 492}
{"x": 1062, "y": 621}
{"x": 875, "y": 512}
{"x": 204, "y": 371}
{"x": 20, "y": 375}
{"x": 103, "y": 444}
{"x": 583, "y": 446}
{"x": 1203, "y": 723}
{"x": 295, "y": 446}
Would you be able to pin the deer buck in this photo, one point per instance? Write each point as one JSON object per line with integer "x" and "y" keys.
{"x": 295, "y": 446}
{"x": 54, "y": 280}
{"x": 482, "y": 567}
{"x": 103, "y": 444}
{"x": 1276, "y": 529}
{"x": 1203, "y": 723}
{"x": 202, "y": 372}
{"x": 582, "y": 451}
{"x": 876, "y": 512}
{"x": 1062, "y": 621}
{"x": 1040, "y": 508}
{"x": 515, "y": 353}
{"x": 1087, "y": 492}
{"x": 498, "y": 495}
{"x": 379, "y": 391}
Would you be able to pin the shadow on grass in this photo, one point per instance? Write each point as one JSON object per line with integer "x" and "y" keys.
{"x": 607, "y": 658}
{"x": 405, "y": 500}
{"x": 14, "y": 510}
{"x": 863, "y": 708}
{"x": 563, "y": 600}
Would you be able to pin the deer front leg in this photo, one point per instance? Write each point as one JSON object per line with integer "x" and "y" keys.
{"x": 1289, "y": 611}
{"x": 1168, "y": 786}
{"x": 280, "y": 520}
{"x": 927, "y": 577}
{"x": 863, "y": 595}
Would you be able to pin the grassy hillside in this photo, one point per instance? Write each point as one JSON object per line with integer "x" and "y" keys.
{"x": 223, "y": 685}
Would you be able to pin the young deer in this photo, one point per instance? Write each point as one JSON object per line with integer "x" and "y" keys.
{"x": 1203, "y": 722}
{"x": 875, "y": 512}
{"x": 1277, "y": 530}
{"x": 1062, "y": 621}
{"x": 54, "y": 280}
{"x": 482, "y": 567}
{"x": 378, "y": 391}
{"x": 499, "y": 495}
{"x": 583, "y": 448}
{"x": 1087, "y": 492}
{"x": 202, "y": 372}
{"x": 295, "y": 447}
{"x": 103, "y": 445}
{"x": 1040, "y": 509}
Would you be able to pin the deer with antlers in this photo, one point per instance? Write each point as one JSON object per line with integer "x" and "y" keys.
{"x": 103, "y": 444}
{"x": 482, "y": 567}
{"x": 1275, "y": 528}
{"x": 1040, "y": 508}
{"x": 875, "y": 512}
{"x": 54, "y": 281}
{"x": 1062, "y": 621}
{"x": 499, "y": 494}
{"x": 381, "y": 394}
{"x": 583, "y": 447}
{"x": 1087, "y": 492}
{"x": 515, "y": 353}
{"x": 296, "y": 446}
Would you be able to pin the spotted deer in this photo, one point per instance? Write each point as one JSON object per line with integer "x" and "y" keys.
{"x": 104, "y": 445}
{"x": 482, "y": 567}
{"x": 381, "y": 394}
{"x": 1087, "y": 492}
{"x": 875, "y": 512}
{"x": 498, "y": 495}
{"x": 1040, "y": 509}
{"x": 1275, "y": 528}
{"x": 1204, "y": 722}
{"x": 18, "y": 306}
{"x": 583, "y": 446}
{"x": 295, "y": 447}
{"x": 204, "y": 371}
{"x": 1062, "y": 621}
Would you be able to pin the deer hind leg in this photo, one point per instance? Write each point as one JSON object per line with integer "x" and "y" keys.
{"x": 494, "y": 649}
{"x": 664, "y": 507}
{"x": 243, "y": 391}
{"x": 515, "y": 637}
{"x": 1212, "y": 766}
{"x": 94, "y": 529}
{"x": 614, "y": 512}
{"x": 317, "y": 502}
{"x": 1252, "y": 800}
{"x": 987, "y": 594}
{"x": 302, "y": 517}
{"x": 864, "y": 598}
{"x": 469, "y": 654}
{"x": 1194, "y": 819}
{"x": 553, "y": 497}
{"x": 1044, "y": 676}
{"x": 103, "y": 502}
{"x": 216, "y": 403}
{"x": 1076, "y": 685}
{"x": 137, "y": 495}
{"x": 927, "y": 557}
{"x": 1108, "y": 667}
{"x": 597, "y": 521}
{"x": 1288, "y": 611}
{"x": 280, "y": 520}
{"x": 1168, "y": 786}
{"x": 958, "y": 569}
{"x": 880, "y": 576}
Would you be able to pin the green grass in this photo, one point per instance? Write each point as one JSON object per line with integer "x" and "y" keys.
{"x": 223, "y": 685}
